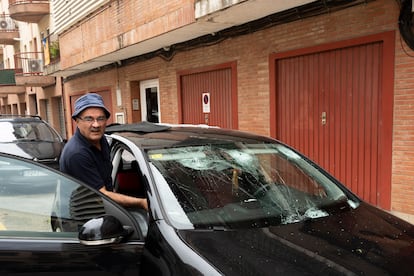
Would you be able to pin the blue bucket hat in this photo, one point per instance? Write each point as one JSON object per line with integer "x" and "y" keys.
{"x": 89, "y": 100}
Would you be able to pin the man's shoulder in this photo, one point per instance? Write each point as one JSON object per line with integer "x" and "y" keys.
{"x": 73, "y": 143}
{"x": 74, "y": 155}
{"x": 75, "y": 147}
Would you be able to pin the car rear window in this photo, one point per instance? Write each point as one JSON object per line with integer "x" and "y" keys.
{"x": 29, "y": 131}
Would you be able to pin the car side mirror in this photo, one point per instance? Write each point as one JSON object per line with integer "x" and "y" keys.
{"x": 103, "y": 230}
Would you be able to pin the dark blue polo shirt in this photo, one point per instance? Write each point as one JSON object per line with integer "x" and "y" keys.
{"x": 85, "y": 162}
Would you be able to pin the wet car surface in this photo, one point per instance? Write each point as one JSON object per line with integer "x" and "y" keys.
{"x": 221, "y": 202}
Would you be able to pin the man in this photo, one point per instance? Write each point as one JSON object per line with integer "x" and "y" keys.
{"x": 86, "y": 156}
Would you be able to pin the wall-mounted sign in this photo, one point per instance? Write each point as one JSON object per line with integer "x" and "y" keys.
{"x": 120, "y": 118}
{"x": 135, "y": 104}
{"x": 206, "y": 102}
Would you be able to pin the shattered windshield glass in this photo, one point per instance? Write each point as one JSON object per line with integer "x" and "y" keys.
{"x": 236, "y": 184}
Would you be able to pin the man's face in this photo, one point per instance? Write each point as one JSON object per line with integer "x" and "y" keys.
{"x": 91, "y": 123}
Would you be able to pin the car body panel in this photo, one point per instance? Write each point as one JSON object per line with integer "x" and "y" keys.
{"x": 68, "y": 256}
{"x": 167, "y": 254}
{"x": 378, "y": 246}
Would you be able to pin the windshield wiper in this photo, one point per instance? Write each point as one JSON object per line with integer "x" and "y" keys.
{"x": 340, "y": 204}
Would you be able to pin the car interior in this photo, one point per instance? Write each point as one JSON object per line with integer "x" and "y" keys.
{"x": 128, "y": 180}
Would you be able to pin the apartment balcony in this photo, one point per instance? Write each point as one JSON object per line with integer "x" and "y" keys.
{"x": 6, "y": 90}
{"x": 30, "y": 11}
{"x": 9, "y": 31}
{"x": 13, "y": 81}
{"x": 7, "y": 77}
{"x": 29, "y": 70}
{"x": 8, "y": 82}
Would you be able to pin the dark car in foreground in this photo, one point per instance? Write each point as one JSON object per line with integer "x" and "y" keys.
{"x": 30, "y": 137}
{"x": 221, "y": 202}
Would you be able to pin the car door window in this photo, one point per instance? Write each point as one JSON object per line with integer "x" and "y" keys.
{"x": 128, "y": 176}
{"x": 129, "y": 180}
{"x": 38, "y": 202}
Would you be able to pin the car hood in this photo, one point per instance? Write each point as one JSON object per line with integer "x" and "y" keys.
{"x": 39, "y": 150}
{"x": 363, "y": 241}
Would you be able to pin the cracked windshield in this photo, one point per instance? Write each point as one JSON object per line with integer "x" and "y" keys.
{"x": 234, "y": 185}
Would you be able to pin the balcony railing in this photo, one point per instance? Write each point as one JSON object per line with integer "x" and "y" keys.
{"x": 30, "y": 70}
{"x": 30, "y": 11}
{"x": 9, "y": 32}
{"x": 31, "y": 63}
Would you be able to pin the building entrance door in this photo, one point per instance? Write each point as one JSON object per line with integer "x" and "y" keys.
{"x": 149, "y": 96}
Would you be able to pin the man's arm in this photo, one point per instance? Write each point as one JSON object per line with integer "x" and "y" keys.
{"x": 125, "y": 200}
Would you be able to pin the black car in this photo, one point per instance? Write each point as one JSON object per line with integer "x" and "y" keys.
{"x": 221, "y": 202}
{"x": 30, "y": 137}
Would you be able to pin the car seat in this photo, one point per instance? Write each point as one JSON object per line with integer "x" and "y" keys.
{"x": 128, "y": 181}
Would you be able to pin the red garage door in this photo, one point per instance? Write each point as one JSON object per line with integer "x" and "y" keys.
{"x": 208, "y": 96}
{"x": 329, "y": 105}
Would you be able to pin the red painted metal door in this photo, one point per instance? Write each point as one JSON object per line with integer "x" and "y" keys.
{"x": 328, "y": 108}
{"x": 218, "y": 84}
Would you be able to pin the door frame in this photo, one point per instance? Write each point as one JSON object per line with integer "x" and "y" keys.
{"x": 143, "y": 100}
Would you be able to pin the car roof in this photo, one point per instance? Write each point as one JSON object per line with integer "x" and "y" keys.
{"x": 153, "y": 135}
{"x": 14, "y": 117}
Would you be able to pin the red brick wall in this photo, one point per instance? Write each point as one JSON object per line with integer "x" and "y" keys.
{"x": 120, "y": 24}
{"x": 251, "y": 52}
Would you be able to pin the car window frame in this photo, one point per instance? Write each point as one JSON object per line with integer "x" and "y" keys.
{"x": 110, "y": 205}
{"x": 155, "y": 212}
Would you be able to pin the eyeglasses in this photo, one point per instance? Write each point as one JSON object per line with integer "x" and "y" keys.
{"x": 89, "y": 119}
